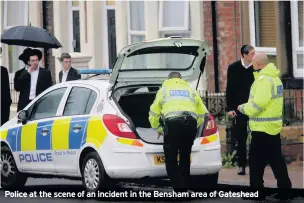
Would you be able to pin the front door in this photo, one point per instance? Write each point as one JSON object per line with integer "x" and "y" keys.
{"x": 111, "y": 37}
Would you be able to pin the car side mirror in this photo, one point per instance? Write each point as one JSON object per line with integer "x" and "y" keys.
{"x": 23, "y": 116}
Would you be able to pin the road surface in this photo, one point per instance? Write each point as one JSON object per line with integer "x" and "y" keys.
{"x": 50, "y": 186}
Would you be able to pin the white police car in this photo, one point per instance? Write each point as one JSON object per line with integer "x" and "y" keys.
{"x": 98, "y": 129}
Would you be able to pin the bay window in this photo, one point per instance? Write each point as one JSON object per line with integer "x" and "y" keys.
{"x": 136, "y": 21}
{"x": 297, "y": 37}
{"x": 15, "y": 14}
{"x": 174, "y": 18}
{"x": 263, "y": 27}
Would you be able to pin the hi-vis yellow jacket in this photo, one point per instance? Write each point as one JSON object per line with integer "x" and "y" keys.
{"x": 265, "y": 105}
{"x": 173, "y": 98}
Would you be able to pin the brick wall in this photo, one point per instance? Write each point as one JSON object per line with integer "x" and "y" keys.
{"x": 228, "y": 20}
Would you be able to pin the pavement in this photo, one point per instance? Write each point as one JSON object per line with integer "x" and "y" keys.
{"x": 13, "y": 110}
{"x": 295, "y": 171}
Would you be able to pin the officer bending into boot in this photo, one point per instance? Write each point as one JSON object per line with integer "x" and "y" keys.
{"x": 181, "y": 110}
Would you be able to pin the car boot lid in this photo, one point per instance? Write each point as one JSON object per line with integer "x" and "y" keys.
{"x": 150, "y": 62}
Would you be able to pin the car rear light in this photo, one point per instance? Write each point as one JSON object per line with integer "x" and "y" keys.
{"x": 118, "y": 126}
{"x": 210, "y": 127}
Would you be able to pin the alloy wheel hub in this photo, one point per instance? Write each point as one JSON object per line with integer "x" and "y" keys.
{"x": 6, "y": 165}
{"x": 91, "y": 174}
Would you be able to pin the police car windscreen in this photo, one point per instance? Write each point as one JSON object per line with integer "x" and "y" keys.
{"x": 163, "y": 58}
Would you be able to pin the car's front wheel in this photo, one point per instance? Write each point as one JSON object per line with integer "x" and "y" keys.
{"x": 10, "y": 176}
{"x": 93, "y": 172}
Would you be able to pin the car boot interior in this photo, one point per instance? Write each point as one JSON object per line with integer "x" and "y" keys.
{"x": 136, "y": 104}
{"x": 137, "y": 107}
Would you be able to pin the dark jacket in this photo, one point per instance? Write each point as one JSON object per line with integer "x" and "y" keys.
{"x": 239, "y": 81}
{"x": 72, "y": 75}
{"x": 22, "y": 84}
{"x": 6, "y": 100}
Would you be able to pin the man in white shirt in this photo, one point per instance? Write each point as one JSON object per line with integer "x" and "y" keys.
{"x": 31, "y": 80}
{"x": 239, "y": 80}
{"x": 68, "y": 73}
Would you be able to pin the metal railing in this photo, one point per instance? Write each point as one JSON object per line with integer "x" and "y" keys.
{"x": 216, "y": 104}
{"x": 292, "y": 110}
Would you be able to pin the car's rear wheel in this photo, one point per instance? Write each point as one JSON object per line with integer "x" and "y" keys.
{"x": 93, "y": 172}
{"x": 10, "y": 176}
{"x": 205, "y": 181}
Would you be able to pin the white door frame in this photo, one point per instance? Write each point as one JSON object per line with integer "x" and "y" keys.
{"x": 105, "y": 32}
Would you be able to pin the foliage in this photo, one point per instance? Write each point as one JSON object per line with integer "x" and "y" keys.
{"x": 228, "y": 160}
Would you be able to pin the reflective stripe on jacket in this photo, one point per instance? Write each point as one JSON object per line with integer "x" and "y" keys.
{"x": 265, "y": 105}
{"x": 172, "y": 99}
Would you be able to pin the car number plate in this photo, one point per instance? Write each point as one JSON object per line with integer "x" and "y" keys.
{"x": 160, "y": 159}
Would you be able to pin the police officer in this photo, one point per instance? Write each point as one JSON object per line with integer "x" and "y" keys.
{"x": 181, "y": 110}
{"x": 264, "y": 109}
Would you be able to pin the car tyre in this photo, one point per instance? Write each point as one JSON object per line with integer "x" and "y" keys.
{"x": 202, "y": 182}
{"x": 11, "y": 177}
{"x": 93, "y": 172}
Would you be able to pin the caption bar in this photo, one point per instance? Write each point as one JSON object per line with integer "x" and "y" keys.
{"x": 129, "y": 194}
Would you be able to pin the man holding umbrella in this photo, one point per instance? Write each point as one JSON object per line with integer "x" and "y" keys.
{"x": 31, "y": 80}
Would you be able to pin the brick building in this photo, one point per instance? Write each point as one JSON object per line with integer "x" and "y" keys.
{"x": 268, "y": 26}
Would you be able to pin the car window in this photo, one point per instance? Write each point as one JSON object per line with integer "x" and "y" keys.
{"x": 47, "y": 105}
{"x": 91, "y": 102}
{"x": 77, "y": 101}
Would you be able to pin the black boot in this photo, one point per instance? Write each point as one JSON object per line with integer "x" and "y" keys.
{"x": 242, "y": 171}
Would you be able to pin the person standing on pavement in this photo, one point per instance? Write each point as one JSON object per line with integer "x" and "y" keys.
{"x": 265, "y": 111}
{"x": 181, "y": 111}
{"x": 6, "y": 100}
{"x": 31, "y": 80}
{"x": 68, "y": 73}
{"x": 239, "y": 80}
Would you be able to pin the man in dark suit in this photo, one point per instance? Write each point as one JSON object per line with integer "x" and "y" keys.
{"x": 68, "y": 73}
{"x": 6, "y": 100}
{"x": 239, "y": 80}
{"x": 31, "y": 80}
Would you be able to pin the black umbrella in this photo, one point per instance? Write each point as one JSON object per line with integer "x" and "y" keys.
{"x": 30, "y": 36}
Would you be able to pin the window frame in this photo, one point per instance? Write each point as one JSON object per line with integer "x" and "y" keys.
{"x": 296, "y": 49}
{"x": 30, "y": 108}
{"x": 186, "y": 26}
{"x": 267, "y": 50}
{"x": 134, "y": 32}
{"x": 64, "y": 103}
{"x": 5, "y": 49}
{"x": 26, "y": 15}
{"x": 175, "y": 33}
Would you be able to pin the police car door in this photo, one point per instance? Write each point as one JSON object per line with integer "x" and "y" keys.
{"x": 72, "y": 127}
{"x": 34, "y": 140}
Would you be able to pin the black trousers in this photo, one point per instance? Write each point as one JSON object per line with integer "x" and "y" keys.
{"x": 5, "y": 114}
{"x": 179, "y": 136}
{"x": 241, "y": 134}
{"x": 266, "y": 149}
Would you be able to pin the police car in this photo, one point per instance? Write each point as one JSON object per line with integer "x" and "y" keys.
{"x": 97, "y": 129}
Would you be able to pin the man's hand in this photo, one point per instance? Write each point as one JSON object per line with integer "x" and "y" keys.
{"x": 30, "y": 69}
{"x": 239, "y": 108}
{"x": 160, "y": 133}
{"x": 232, "y": 113}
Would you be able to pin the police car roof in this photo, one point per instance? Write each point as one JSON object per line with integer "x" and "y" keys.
{"x": 100, "y": 84}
